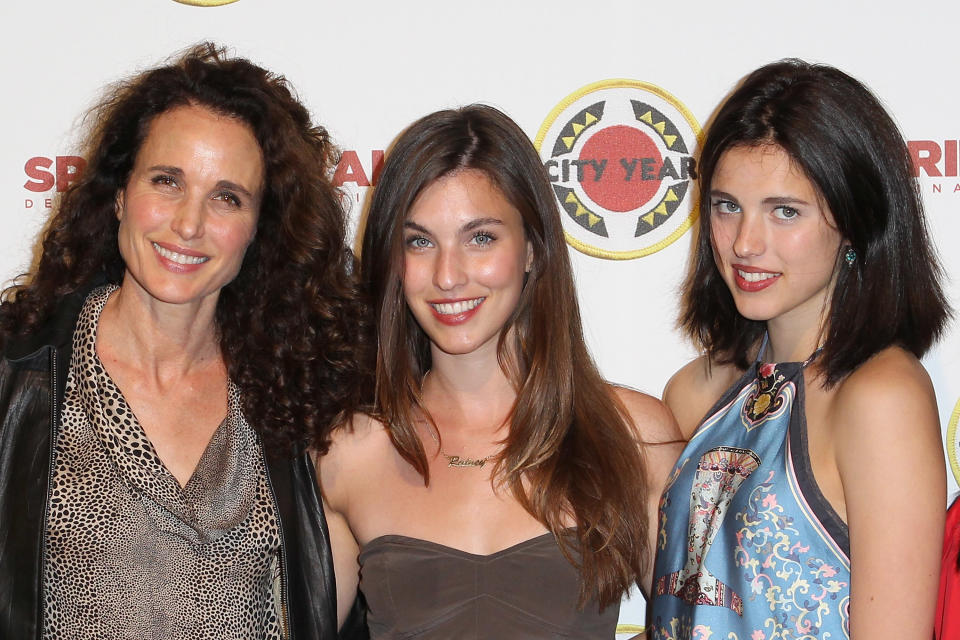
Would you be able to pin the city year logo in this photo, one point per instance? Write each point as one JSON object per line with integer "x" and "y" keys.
{"x": 205, "y": 3}
{"x": 619, "y": 154}
{"x": 953, "y": 442}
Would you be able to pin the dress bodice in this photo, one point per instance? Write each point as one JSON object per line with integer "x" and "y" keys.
{"x": 420, "y": 589}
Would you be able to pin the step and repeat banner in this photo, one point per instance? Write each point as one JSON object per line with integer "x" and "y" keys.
{"x": 614, "y": 94}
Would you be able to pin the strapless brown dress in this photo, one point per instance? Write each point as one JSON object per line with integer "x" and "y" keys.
{"x": 420, "y": 589}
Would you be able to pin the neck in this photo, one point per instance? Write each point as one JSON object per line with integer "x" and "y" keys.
{"x": 794, "y": 336}
{"x": 473, "y": 378}
{"x": 787, "y": 342}
{"x": 162, "y": 340}
{"x": 469, "y": 396}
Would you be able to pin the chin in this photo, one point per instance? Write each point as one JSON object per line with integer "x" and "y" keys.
{"x": 455, "y": 350}
{"x": 754, "y": 312}
{"x": 175, "y": 294}
{"x": 463, "y": 347}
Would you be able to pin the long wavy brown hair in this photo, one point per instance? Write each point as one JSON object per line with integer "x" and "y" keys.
{"x": 571, "y": 454}
{"x": 292, "y": 324}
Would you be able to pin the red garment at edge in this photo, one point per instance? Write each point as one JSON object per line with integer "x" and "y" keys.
{"x": 948, "y": 604}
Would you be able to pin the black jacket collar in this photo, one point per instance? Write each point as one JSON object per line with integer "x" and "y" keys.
{"x": 57, "y": 330}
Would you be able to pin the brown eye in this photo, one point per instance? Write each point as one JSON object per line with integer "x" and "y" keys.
{"x": 228, "y": 197}
{"x": 164, "y": 179}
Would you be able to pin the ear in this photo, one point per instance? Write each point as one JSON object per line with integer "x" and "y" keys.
{"x": 118, "y": 204}
{"x": 529, "y": 264}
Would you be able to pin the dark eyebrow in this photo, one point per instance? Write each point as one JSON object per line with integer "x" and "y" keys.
{"x": 407, "y": 224}
{"x": 233, "y": 186}
{"x": 470, "y": 226}
{"x": 779, "y": 200}
{"x": 480, "y": 222}
{"x": 721, "y": 194}
{"x": 177, "y": 171}
{"x": 784, "y": 200}
{"x": 222, "y": 184}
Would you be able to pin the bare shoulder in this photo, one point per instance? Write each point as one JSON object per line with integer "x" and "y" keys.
{"x": 351, "y": 439}
{"x": 357, "y": 443}
{"x": 651, "y": 418}
{"x": 357, "y": 431}
{"x": 695, "y": 388}
{"x": 658, "y": 437}
{"x": 886, "y": 407}
{"x": 893, "y": 379}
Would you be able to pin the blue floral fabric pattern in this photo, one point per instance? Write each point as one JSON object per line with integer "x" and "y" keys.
{"x": 749, "y": 549}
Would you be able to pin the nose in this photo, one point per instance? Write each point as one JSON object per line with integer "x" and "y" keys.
{"x": 750, "y": 240}
{"x": 188, "y": 220}
{"x": 449, "y": 270}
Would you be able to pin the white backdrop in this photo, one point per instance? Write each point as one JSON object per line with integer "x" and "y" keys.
{"x": 367, "y": 69}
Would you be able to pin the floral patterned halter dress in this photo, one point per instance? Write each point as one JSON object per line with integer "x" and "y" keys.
{"x": 748, "y": 547}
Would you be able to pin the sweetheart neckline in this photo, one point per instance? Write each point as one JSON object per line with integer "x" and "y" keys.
{"x": 394, "y": 538}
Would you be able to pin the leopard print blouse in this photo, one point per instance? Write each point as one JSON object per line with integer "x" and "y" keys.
{"x": 129, "y": 553}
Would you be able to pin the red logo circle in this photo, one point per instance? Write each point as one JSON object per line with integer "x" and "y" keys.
{"x": 618, "y": 188}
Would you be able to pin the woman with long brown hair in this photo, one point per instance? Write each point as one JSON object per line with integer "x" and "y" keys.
{"x": 499, "y": 488}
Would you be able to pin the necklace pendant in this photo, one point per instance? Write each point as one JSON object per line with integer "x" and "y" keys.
{"x": 463, "y": 461}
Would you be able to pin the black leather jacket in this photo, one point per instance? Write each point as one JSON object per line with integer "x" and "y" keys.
{"x": 33, "y": 374}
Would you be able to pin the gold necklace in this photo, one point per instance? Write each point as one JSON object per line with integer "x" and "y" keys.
{"x": 461, "y": 462}
{"x": 457, "y": 462}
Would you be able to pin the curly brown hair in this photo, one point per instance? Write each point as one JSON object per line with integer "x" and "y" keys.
{"x": 292, "y": 325}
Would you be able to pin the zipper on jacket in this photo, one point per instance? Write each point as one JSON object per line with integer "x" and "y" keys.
{"x": 284, "y": 594}
{"x": 55, "y": 421}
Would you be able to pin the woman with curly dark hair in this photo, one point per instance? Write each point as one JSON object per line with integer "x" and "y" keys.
{"x": 502, "y": 489}
{"x": 190, "y": 327}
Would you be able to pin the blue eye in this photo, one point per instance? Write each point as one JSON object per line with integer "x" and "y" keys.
{"x": 483, "y": 238}
{"x": 725, "y": 206}
{"x": 418, "y": 242}
{"x": 785, "y": 213}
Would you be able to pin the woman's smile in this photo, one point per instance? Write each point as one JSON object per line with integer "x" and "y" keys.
{"x": 455, "y": 311}
{"x": 465, "y": 261}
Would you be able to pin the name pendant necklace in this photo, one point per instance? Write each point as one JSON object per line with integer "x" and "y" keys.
{"x": 457, "y": 462}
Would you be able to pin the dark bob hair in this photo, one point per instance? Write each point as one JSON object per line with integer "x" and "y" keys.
{"x": 291, "y": 323}
{"x": 838, "y": 134}
{"x": 570, "y": 450}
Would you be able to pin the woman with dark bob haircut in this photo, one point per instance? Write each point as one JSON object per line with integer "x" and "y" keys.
{"x": 501, "y": 488}
{"x": 189, "y": 328}
{"x": 809, "y": 502}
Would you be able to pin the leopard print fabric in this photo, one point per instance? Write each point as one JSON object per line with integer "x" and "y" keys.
{"x": 131, "y": 554}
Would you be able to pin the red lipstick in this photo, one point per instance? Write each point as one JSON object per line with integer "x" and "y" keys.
{"x": 751, "y": 286}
